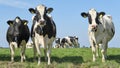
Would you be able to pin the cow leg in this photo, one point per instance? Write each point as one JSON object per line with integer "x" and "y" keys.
{"x": 94, "y": 53}
{"x": 92, "y": 43}
{"x": 34, "y": 49}
{"x": 37, "y": 45}
{"x": 45, "y": 52}
{"x": 104, "y": 51}
{"x": 49, "y": 53}
{"x": 12, "y": 49}
{"x": 97, "y": 50}
{"x": 23, "y": 48}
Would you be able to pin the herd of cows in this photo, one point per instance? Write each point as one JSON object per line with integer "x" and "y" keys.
{"x": 43, "y": 32}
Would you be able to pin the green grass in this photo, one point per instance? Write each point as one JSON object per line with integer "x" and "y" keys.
{"x": 62, "y": 58}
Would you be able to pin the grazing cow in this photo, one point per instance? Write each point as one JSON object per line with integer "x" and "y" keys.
{"x": 69, "y": 41}
{"x": 101, "y": 30}
{"x": 43, "y": 31}
{"x": 17, "y": 35}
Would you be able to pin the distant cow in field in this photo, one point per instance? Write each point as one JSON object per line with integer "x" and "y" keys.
{"x": 17, "y": 36}
{"x": 67, "y": 42}
{"x": 101, "y": 30}
{"x": 43, "y": 31}
{"x": 57, "y": 42}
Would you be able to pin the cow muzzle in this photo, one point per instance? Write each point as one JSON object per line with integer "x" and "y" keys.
{"x": 42, "y": 22}
{"x": 94, "y": 28}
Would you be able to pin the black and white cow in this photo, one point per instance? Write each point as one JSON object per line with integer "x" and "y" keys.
{"x": 57, "y": 42}
{"x": 43, "y": 31}
{"x": 17, "y": 36}
{"x": 101, "y": 30}
{"x": 69, "y": 41}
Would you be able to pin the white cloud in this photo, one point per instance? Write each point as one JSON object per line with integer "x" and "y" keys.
{"x": 15, "y": 3}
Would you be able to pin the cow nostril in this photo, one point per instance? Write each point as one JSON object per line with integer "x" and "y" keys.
{"x": 42, "y": 23}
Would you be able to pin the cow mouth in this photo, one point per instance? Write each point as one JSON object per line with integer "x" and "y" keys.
{"x": 94, "y": 30}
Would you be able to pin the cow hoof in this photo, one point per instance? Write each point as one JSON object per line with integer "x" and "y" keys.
{"x": 11, "y": 62}
{"x": 94, "y": 59}
{"x": 103, "y": 60}
{"x": 38, "y": 63}
{"x": 49, "y": 63}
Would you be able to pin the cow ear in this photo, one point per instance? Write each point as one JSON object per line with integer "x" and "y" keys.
{"x": 101, "y": 14}
{"x": 10, "y": 22}
{"x": 32, "y": 10}
{"x": 25, "y": 22}
{"x": 49, "y": 10}
{"x": 83, "y": 14}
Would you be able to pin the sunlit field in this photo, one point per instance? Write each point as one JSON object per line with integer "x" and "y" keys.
{"x": 62, "y": 58}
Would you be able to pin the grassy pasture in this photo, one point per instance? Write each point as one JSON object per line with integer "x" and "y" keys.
{"x": 62, "y": 58}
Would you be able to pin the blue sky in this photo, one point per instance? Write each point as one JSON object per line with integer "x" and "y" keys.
{"x": 66, "y": 15}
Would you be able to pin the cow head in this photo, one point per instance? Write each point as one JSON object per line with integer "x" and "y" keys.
{"x": 40, "y": 12}
{"x": 76, "y": 38}
{"x": 57, "y": 40}
{"x": 16, "y": 25}
{"x": 93, "y": 18}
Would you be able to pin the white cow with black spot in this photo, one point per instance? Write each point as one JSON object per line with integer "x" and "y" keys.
{"x": 101, "y": 30}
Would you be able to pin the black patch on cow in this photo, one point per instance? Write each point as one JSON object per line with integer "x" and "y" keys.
{"x": 50, "y": 28}
{"x": 57, "y": 41}
{"x": 112, "y": 31}
{"x": 96, "y": 19}
{"x": 39, "y": 30}
{"x": 94, "y": 43}
{"x": 63, "y": 41}
{"x": 89, "y": 19}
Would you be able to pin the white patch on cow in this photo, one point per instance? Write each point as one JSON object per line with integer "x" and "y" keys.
{"x": 41, "y": 10}
{"x": 12, "y": 49}
{"x": 14, "y": 44}
{"x": 35, "y": 25}
{"x": 39, "y": 39}
{"x": 17, "y": 20}
{"x": 93, "y": 15}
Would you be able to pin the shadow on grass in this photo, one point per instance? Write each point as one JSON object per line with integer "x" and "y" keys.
{"x": 6, "y": 57}
{"x": 114, "y": 57}
{"x": 71, "y": 59}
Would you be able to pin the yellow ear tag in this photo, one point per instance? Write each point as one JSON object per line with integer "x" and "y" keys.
{"x": 11, "y": 24}
{"x": 84, "y": 16}
{"x": 25, "y": 23}
{"x": 101, "y": 16}
{"x": 32, "y": 12}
